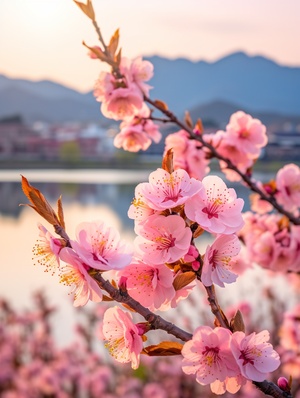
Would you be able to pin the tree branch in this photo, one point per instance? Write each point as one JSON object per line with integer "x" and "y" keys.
{"x": 271, "y": 389}
{"x": 155, "y": 321}
{"x": 251, "y": 184}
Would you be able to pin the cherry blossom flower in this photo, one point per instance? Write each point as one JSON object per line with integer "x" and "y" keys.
{"x": 104, "y": 86}
{"x": 75, "y": 274}
{"x": 288, "y": 187}
{"x": 208, "y": 355}
{"x": 259, "y": 205}
{"x": 166, "y": 191}
{"x": 163, "y": 239}
{"x": 187, "y": 154}
{"x": 137, "y": 71}
{"x": 132, "y": 139}
{"x": 246, "y": 133}
{"x": 122, "y": 336}
{"x": 122, "y": 97}
{"x": 137, "y": 132}
{"x": 216, "y": 263}
{"x": 100, "y": 246}
{"x": 270, "y": 243}
{"x": 140, "y": 210}
{"x": 254, "y": 356}
{"x": 230, "y": 151}
{"x": 216, "y": 208}
{"x": 47, "y": 249}
{"x": 150, "y": 285}
{"x": 122, "y": 103}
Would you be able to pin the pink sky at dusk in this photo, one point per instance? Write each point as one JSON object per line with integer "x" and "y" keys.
{"x": 41, "y": 39}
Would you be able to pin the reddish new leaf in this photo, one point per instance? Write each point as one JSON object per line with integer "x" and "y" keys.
{"x": 165, "y": 348}
{"x": 39, "y": 203}
{"x": 167, "y": 162}
{"x": 183, "y": 280}
{"x": 87, "y": 9}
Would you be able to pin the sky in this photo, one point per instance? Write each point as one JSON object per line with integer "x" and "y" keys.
{"x": 42, "y": 39}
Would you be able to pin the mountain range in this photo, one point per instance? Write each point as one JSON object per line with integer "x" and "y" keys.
{"x": 209, "y": 90}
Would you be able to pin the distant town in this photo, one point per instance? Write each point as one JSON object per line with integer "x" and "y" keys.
{"x": 75, "y": 143}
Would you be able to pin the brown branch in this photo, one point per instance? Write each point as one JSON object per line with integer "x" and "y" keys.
{"x": 251, "y": 184}
{"x": 271, "y": 389}
{"x": 154, "y": 320}
{"x": 215, "y": 308}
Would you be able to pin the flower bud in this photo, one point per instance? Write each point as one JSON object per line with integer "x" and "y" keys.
{"x": 283, "y": 383}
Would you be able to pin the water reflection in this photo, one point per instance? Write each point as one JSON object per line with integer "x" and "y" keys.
{"x": 117, "y": 196}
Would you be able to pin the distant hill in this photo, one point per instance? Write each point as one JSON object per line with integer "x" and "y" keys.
{"x": 255, "y": 83}
{"x": 217, "y": 114}
{"x": 209, "y": 90}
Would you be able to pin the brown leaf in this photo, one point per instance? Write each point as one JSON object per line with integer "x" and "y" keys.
{"x": 39, "y": 202}
{"x": 128, "y": 307}
{"x": 183, "y": 280}
{"x": 167, "y": 162}
{"x": 165, "y": 348}
{"x": 188, "y": 120}
{"x": 118, "y": 57}
{"x": 199, "y": 126}
{"x": 198, "y": 232}
{"x": 237, "y": 322}
{"x": 99, "y": 54}
{"x": 106, "y": 298}
{"x": 113, "y": 44}
{"x": 161, "y": 105}
{"x": 87, "y": 9}
{"x": 60, "y": 213}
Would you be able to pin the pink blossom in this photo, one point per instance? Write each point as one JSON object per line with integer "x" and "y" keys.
{"x": 140, "y": 210}
{"x": 230, "y": 151}
{"x": 259, "y": 205}
{"x": 270, "y": 243}
{"x": 166, "y": 191}
{"x": 254, "y": 356}
{"x": 47, "y": 249}
{"x": 150, "y": 285}
{"x": 216, "y": 208}
{"x": 75, "y": 274}
{"x": 163, "y": 239}
{"x": 137, "y": 71}
{"x": 187, "y": 154}
{"x": 208, "y": 355}
{"x": 288, "y": 187}
{"x": 122, "y": 336}
{"x": 122, "y": 102}
{"x": 246, "y": 133}
{"x": 104, "y": 86}
{"x": 100, "y": 246}
{"x": 132, "y": 139}
{"x": 216, "y": 264}
{"x": 137, "y": 132}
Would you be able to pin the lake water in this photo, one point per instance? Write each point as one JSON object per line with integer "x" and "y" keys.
{"x": 87, "y": 195}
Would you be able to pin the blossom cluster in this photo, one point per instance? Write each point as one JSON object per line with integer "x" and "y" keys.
{"x": 122, "y": 98}
{"x": 240, "y": 143}
{"x": 225, "y": 360}
{"x": 170, "y": 211}
{"x": 97, "y": 247}
{"x": 271, "y": 242}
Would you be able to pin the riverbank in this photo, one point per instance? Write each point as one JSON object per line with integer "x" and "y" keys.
{"x": 124, "y": 164}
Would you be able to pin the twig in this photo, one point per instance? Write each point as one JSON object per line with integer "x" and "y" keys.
{"x": 154, "y": 320}
{"x": 251, "y": 184}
